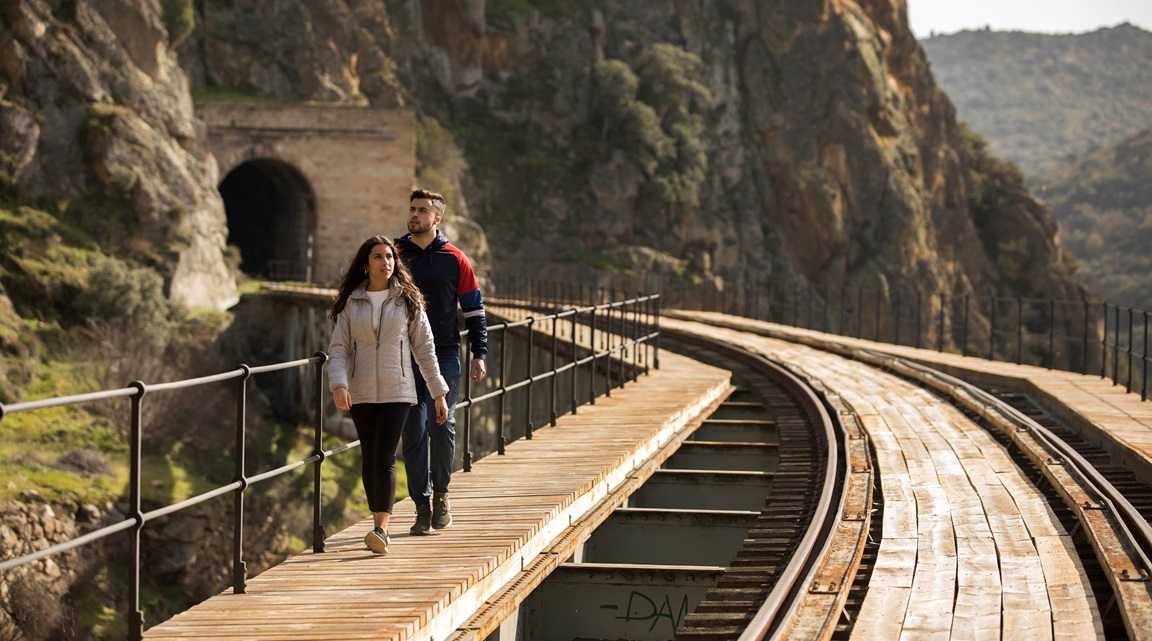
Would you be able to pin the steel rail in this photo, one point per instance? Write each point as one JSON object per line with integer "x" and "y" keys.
{"x": 1132, "y": 524}
{"x": 796, "y": 575}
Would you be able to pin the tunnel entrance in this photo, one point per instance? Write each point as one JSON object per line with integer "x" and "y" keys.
{"x": 271, "y": 214}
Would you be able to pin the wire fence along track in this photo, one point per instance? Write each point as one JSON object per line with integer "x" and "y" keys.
{"x": 1078, "y": 335}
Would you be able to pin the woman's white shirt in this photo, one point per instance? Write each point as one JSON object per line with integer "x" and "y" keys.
{"x": 377, "y": 299}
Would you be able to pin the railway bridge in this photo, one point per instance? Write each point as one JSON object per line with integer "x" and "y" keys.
{"x": 748, "y": 479}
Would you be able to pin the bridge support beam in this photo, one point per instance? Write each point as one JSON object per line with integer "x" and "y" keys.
{"x": 594, "y": 601}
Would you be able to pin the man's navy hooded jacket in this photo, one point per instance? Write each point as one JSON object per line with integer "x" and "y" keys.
{"x": 444, "y": 276}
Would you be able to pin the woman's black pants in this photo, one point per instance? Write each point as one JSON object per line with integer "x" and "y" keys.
{"x": 379, "y": 425}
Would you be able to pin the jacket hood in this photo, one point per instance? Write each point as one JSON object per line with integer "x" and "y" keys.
{"x": 405, "y": 242}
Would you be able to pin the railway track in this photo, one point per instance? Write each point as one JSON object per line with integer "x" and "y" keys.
{"x": 769, "y": 574}
{"x": 1101, "y": 502}
{"x": 804, "y": 568}
{"x": 762, "y": 397}
{"x": 1123, "y": 479}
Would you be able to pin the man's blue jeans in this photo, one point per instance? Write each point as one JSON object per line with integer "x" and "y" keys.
{"x": 430, "y": 449}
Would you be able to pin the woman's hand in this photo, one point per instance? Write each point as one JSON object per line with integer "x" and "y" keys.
{"x": 343, "y": 399}
{"x": 441, "y": 410}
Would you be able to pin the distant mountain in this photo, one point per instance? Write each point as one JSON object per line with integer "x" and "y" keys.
{"x": 1040, "y": 98}
{"x": 1103, "y": 200}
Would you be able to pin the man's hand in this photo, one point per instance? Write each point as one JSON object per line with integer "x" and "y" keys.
{"x": 441, "y": 409}
{"x": 478, "y": 369}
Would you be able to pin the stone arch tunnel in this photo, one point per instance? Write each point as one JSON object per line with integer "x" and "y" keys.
{"x": 303, "y": 185}
{"x": 271, "y": 212}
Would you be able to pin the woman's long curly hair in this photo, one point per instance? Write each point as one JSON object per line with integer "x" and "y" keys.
{"x": 357, "y": 275}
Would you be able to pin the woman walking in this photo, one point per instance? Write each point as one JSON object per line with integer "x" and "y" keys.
{"x": 379, "y": 321}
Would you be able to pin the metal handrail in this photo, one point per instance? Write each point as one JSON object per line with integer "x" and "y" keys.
{"x": 137, "y": 518}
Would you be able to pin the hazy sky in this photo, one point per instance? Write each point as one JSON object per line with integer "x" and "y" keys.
{"x": 1043, "y": 16}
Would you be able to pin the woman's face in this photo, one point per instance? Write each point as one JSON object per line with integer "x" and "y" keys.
{"x": 381, "y": 264}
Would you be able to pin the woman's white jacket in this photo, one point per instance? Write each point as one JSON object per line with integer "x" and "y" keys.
{"x": 374, "y": 365}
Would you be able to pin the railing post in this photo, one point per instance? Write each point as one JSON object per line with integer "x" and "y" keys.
{"x": 501, "y": 438}
{"x": 1104, "y": 342}
{"x": 318, "y": 450}
{"x": 1144, "y": 386}
{"x": 135, "y": 614}
{"x": 642, "y": 318}
{"x": 592, "y": 361}
{"x": 1131, "y": 317}
{"x": 608, "y": 350}
{"x": 239, "y": 568}
{"x": 575, "y": 357}
{"x": 555, "y": 373}
{"x": 656, "y": 350}
{"x": 1051, "y": 333}
{"x": 528, "y": 411}
{"x": 1116, "y": 348}
{"x": 635, "y": 340}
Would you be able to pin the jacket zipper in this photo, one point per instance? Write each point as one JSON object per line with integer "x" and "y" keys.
{"x": 379, "y": 328}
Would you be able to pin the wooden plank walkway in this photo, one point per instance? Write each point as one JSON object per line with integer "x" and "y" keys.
{"x": 505, "y": 514}
{"x": 970, "y": 549}
{"x": 1108, "y": 416}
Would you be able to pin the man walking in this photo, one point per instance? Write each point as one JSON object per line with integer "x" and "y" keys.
{"x": 445, "y": 277}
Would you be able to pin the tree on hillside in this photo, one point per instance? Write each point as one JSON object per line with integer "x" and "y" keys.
{"x": 651, "y": 112}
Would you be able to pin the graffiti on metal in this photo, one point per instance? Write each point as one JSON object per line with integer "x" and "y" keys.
{"x": 643, "y": 608}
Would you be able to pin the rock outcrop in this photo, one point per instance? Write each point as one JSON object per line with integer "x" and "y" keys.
{"x": 830, "y": 152}
{"x": 96, "y": 119}
{"x": 191, "y": 549}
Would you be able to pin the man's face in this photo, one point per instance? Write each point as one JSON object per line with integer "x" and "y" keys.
{"x": 422, "y": 216}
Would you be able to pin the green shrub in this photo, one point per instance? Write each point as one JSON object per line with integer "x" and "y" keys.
{"x": 651, "y": 113}
{"x": 131, "y": 297}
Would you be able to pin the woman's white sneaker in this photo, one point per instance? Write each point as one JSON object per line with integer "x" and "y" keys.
{"x": 377, "y": 540}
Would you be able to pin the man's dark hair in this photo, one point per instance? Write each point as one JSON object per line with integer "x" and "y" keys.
{"x": 436, "y": 198}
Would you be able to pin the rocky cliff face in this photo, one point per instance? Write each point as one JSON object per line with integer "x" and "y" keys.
{"x": 729, "y": 139}
{"x": 737, "y": 139}
{"x": 96, "y": 122}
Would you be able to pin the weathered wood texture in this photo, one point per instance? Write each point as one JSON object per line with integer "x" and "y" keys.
{"x": 506, "y": 512}
{"x": 1113, "y": 419}
{"x": 970, "y": 549}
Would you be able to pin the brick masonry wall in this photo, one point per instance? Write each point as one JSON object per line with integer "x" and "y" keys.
{"x": 359, "y": 162}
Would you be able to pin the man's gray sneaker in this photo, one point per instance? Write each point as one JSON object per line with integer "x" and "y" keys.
{"x": 441, "y": 517}
{"x": 377, "y": 541}
{"x": 423, "y": 520}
